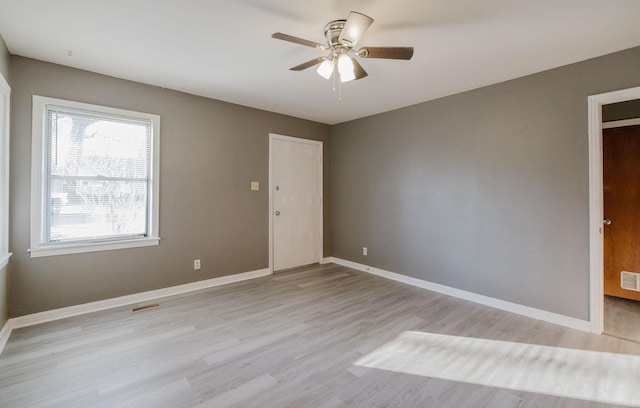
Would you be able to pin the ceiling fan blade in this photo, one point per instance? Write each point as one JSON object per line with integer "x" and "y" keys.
{"x": 358, "y": 70}
{"x": 403, "y": 53}
{"x": 297, "y": 40}
{"x": 354, "y": 28}
{"x": 308, "y": 64}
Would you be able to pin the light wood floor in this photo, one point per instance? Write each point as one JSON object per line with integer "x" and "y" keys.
{"x": 622, "y": 318}
{"x": 321, "y": 336}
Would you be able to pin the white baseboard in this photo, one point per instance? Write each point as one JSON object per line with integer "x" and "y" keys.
{"x": 4, "y": 334}
{"x": 65, "y": 312}
{"x": 562, "y": 320}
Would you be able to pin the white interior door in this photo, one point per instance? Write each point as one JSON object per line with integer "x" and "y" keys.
{"x": 296, "y": 191}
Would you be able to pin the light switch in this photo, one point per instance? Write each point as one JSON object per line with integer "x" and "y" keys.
{"x": 255, "y": 186}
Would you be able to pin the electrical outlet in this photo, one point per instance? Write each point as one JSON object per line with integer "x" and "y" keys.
{"x": 196, "y": 264}
{"x": 364, "y": 251}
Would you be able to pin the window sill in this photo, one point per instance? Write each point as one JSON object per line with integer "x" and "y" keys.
{"x": 4, "y": 260}
{"x": 67, "y": 249}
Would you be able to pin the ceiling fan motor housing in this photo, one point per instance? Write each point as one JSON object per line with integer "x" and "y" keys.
{"x": 332, "y": 32}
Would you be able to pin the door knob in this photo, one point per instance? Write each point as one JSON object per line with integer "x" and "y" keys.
{"x": 277, "y": 212}
{"x": 606, "y": 221}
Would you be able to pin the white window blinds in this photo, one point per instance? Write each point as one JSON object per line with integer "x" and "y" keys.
{"x": 96, "y": 176}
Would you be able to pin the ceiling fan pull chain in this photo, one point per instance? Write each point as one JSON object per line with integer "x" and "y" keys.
{"x": 335, "y": 74}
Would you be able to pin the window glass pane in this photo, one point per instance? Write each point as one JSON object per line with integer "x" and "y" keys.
{"x": 84, "y": 145}
{"x": 97, "y": 174}
{"x": 89, "y": 208}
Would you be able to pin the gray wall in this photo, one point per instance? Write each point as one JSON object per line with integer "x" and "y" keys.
{"x": 4, "y": 297}
{"x": 210, "y": 151}
{"x": 4, "y": 59}
{"x": 485, "y": 191}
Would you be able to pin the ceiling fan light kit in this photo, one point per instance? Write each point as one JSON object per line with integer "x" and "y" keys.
{"x": 346, "y": 68}
{"x": 354, "y": 28}
{"x": 341, "y": 37}
{"x": 325, "y": 69}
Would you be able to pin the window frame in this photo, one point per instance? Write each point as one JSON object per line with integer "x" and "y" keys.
{"x": 5, "y": 109}
{"x": 41, "y": 105}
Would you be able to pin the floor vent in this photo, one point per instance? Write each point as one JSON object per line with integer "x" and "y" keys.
{"x": 630, "y": 281}
{"x": 145, "y": 307}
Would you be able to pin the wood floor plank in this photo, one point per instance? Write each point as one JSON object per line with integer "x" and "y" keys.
{"x": 248, "y": 390}
{"x": 299, "y": 339}
{"x": 622, "y": 318}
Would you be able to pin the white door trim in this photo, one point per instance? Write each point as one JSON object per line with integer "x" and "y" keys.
{"x": 275, "y": 136}
{"x": 621, "y": 123}
{"x": 596, "y": 201}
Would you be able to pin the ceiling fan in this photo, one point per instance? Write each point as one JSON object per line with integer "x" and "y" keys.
{"x": 342, "y": 36}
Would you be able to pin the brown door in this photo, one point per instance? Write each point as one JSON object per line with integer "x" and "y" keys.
{"x": 621, "y": 168}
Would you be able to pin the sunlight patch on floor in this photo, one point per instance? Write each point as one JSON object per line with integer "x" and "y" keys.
{"x": 580, "y": 374}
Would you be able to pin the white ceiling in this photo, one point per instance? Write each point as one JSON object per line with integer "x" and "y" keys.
{"x": 224, "y": 50}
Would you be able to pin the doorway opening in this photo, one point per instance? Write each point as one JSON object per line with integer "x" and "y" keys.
{"x": 605, "y": 108}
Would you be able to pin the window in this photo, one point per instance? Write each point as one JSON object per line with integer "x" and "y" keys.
{"x": 5, "y": 92}
{"x": 94, "y": 178}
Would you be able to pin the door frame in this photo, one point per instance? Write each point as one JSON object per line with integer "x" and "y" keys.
{"x": 272, "y": 138}
{"x": 596, "y": 201}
